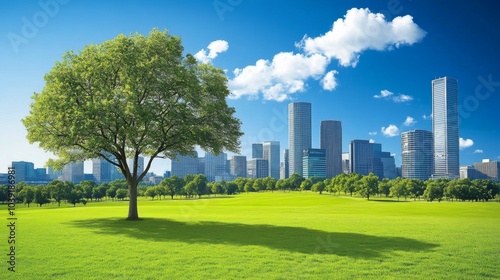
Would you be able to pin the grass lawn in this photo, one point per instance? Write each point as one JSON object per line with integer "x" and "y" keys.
{"x": 257, "y": 236}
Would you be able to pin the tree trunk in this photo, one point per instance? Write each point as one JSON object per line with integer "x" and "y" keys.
{"x": 132, "y": 205}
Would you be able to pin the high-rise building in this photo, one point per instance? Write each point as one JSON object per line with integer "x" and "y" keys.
{"x": 331, "y": 141}
{"x": 314, "y": 163}
{"x": 285, "y": 165}
{"x": 445, "y": 127}
{"x": 257, "y": 168}
{"x": 40, "y": 174}
{"x": 257, "y": 150}
{"x": 238, "y": 166}
{"x": 184, "y": 165}
{"x": 488, "y": 169}
{"x": 271, "y": 153}
{"x": 101, "y": 169}
{"x": 73, "y": 172}
{"x": 215, "y": 165}
{"x": 417, "y": 152}
{"x": 299, "y": 134}
{"x": 25, "y": 171}
{"x": 366, "y": 158}
{"x": 346, "y": 168}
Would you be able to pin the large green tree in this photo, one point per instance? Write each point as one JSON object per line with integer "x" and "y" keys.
{"x": 131, "y": 96}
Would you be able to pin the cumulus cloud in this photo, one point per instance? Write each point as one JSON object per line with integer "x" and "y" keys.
{"x": 372, "y": 133}
{"x": 478, "y": 151}
{"x": 409, "y": 121}
{"x": 465, "y": 143}
{"x": 284, "y": 75}
{"x": 287, "y": 73}
{"x": 402, "y": 98}
{"x": 214, "y": 49}
{"x": 361, "y": 30}
{"x": 329, "y": 82}
{"x": 385, "y": 94}
{"x": 371, "y": 141}
{"x": 390, "y": 131}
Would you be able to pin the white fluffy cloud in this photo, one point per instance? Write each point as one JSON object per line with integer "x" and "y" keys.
{"x": 425, "y": 117}
{"x": 287, "y": 73}
{"x": 409, "y": 121}
{"x": 372, "y": 133}
{"x": 371, "y": 141}
{"x": 385, "y": 94}
{"x": 465, "y": 143}
{"x": 361, "y": 30}
{"x": 278, "y": 78}
{"x": 329, "y": 82}
{"x": 390, "y": 131}
{"x": 214, "y": 49}
{"x": 478, "y": 151}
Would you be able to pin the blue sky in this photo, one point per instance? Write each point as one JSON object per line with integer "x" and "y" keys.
{"x": 372, "y": 69}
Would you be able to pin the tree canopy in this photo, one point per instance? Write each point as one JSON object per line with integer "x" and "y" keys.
{"x": 130, "y": 96}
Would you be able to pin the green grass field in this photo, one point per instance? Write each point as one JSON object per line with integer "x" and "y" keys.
{"x": 258, "y": 236}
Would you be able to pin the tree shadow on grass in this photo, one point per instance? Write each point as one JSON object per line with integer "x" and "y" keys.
{"x": 285, "y": 238}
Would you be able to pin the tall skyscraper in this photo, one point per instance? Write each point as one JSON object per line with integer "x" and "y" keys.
{"x": 257, "y": 150}
{"x": 445, "y": 127}
{"x": 346, "y": 157}
{"x": 285, "y": 165}
{"x": 140, "y": 165}
{"x": 238, "y": 166}
{"x": 215, "y": 165}
{"x": 299, "y": 134}
{"x": 257, "y": 168}
{"x": 417, "y": 152}
{"x": 331, "y": 141}
{"x": 314, "y": 163}
{"x": 101, "y": 169}
{"x": 366, "y": 158}
{"x": 184, "y": 165}
{"x": 271, "y": 153}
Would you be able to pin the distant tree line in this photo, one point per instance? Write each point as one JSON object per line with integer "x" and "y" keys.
{"x": 195, "y": 186}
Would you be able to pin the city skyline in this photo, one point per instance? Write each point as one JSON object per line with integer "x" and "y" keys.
{"x": 378, "y": 87}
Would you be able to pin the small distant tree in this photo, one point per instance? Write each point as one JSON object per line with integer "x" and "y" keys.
{"x": 398, "y": 188}
{"x": 4, "y": 193}
{"x": 434, "y": 191}
{"x": 294, "y": 181}
{"x": 86, "y": 188}
{"x": 58, "y": 191}
{"x": 270, "y": 183}
{"x": 231, "y": 188}
{"x": 249, "y": 186}
{"x": 384, "y": 187}
{"x": 306, "y": 184}
{"x": 161, "y": 191}
{"x": 28, "y": 195}
{"x": 41, "y": 196}
{"x": 200, "y": 182}
{"x": 368, "y": 185}
{"x": 318, "y": 187}
{"x": 111, "y": 192}
{"x": 121, "y": 194}
{"x": 74, "y": 197}
{"x": 151, "y": 192}
{"x": 173, "y": 185}
{"x": 258, "y": 184}
{"x": 217, "y": 188}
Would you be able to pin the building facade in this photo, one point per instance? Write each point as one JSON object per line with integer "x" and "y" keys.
{"x": 271, "y": 153}
{"x": 314, "y": 163}
{"x": 257, "y": 168}
{"x": 25, "y": 171}
{"x": 238, "y": 166}
{"x": 445, "y": 127}
{"x": 331, "y": 142}
{"x": 184, "y": 165}
{"x": 215, "y": 165}
{"x": 72, "y": 172}
{"x": 257, "y": 150}
{"x": 417, "y": 152}
{"x": 346, "y": 158}
{"x": 299, "y": 134}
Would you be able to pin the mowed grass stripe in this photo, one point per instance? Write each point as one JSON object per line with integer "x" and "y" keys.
{"x": 260, "y": 235}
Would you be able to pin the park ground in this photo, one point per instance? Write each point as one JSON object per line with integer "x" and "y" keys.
{"x": 280, "y": 235}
